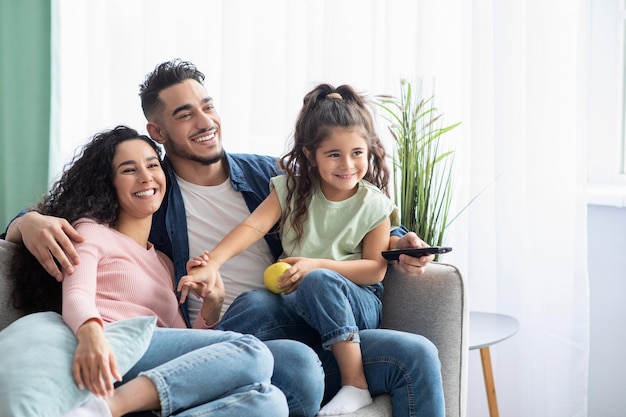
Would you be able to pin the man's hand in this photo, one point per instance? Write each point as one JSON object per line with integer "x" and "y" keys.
{"x": 212, "y": 303}
{"x": 47, "y": 238}
{"x": 201, "y": 277}
{"x": 409, "y": 264}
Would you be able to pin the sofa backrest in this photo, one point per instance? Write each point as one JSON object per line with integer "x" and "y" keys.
{"x": 8, "y": 313}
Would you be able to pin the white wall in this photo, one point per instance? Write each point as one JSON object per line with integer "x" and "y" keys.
{"x": 607, "y": 277}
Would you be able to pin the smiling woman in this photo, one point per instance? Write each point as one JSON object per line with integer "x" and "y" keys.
{"x": 84, "y": 191}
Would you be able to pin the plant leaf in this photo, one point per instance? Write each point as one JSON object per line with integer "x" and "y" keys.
{"x": 422, "y": 163}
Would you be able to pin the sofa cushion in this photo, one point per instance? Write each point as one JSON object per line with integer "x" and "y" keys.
{"x": 36, "y": 361}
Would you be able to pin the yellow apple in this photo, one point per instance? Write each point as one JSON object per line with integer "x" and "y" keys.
{"x": 271, "y": 275}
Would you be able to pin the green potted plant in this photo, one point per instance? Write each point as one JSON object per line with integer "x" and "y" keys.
{"x": 422, "y": 162}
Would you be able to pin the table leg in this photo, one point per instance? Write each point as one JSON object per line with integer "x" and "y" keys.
{"x": 490, "y": 386}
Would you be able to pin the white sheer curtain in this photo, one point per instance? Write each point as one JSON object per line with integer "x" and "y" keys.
{"x": 526, "y": 236}
{"x": 512, "y": 72}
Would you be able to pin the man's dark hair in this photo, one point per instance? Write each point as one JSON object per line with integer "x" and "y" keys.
{"x": 165, "y": 75}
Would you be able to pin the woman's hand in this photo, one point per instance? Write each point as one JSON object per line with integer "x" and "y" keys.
{"x": 94, "y": 364}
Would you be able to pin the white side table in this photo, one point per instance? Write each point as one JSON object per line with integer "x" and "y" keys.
{"x": 486, "y": 329}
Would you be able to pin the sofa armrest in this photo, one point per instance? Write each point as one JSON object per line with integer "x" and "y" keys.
{"x": 434, "y": 305}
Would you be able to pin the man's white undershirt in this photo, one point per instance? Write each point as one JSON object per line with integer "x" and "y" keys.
{"x": 212, "y": 212}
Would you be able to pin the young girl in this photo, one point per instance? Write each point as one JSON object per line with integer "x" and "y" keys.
{"x": 109, "y": 194}
{"x": 334, "y": 223}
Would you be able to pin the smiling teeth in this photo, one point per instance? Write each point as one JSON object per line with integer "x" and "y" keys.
{"x": 205, "y": 138}
{"x": 145, "y": 193}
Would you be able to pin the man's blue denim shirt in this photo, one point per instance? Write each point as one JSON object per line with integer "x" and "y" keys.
{"x": 249, "y": 174}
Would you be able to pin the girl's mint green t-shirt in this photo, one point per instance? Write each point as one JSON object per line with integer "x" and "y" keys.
{"x": 335, "y": 229}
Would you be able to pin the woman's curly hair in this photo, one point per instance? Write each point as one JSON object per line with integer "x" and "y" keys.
{"x": 324, "y": 109}
{"x": 85, "y": 190}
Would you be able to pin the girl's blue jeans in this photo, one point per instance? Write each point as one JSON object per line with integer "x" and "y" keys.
{"x": 402, "y": 364}
{"x": 216, "y": 373}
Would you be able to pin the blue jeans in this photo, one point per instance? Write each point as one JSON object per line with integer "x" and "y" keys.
{"x": 204, "y": 372}
{"x": 336, "y": 307}
{"x": 402, "y": 364}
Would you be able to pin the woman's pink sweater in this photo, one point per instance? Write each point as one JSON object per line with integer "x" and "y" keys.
{"x": 118, "y": 279}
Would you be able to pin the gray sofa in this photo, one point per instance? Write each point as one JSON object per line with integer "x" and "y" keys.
{"x": 434, "y": 305}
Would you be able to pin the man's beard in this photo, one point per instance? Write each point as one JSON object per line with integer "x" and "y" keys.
{"x": 209, "y": 160}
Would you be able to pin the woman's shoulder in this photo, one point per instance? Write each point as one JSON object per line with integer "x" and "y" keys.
{"x": 87, "y": 225}
{"x": 98, "y": 234}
